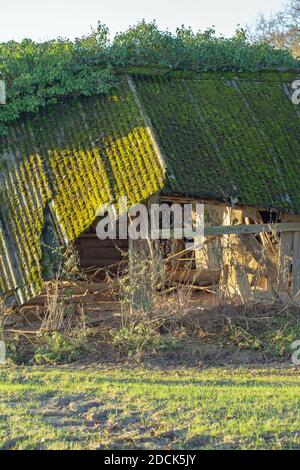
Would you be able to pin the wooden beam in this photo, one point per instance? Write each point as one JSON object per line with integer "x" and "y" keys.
{"x": 252, "y": 216}
{"x": 184, "y": 199}
{"x": 260, "y": 255}
{"x": 236, "y": 229}
{"x": 252, "y": 228}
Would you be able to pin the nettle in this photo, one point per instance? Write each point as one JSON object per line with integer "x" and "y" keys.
{"x": 39, "y": 74}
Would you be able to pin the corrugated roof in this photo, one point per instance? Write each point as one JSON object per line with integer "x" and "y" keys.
{"x": 221, "y": 136}
{"x": 233, "y": 138}
{"x": 78, "y": 155}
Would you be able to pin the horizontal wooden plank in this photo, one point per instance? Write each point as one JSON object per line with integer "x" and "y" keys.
{"x": 101, "y": 253}
{"x": 99, "y": 247}
{"x": 99, "y": 262}
{"x": 252, "y": 228}
{"x": 235, "y": 229}
{"x": 93, "y": 239}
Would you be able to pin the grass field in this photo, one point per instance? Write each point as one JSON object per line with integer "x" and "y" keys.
{"x": 87, "y": 407}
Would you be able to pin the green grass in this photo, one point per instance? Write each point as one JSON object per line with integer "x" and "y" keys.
{"x": 74, "y": 407}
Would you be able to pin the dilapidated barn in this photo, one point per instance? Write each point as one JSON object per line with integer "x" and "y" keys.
{"x": 230, "y": 140}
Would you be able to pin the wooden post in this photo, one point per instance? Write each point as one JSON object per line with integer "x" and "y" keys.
{"x": 288, "y": 262}
{"x": 145, "y": 267}
{"x": 225, "y": 243}
{"x": 154, "y": 245}
{"x": 212, "y": 254}
{"x": 199, "y": 252}
{"x": 140, "y": 278}
{"x": 285, "y": 266}
{"x": 234, "y": 279}
{"x": 295, "y": 290}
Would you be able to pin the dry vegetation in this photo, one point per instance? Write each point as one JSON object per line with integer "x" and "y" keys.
{"x": 167, "y": 303}
{"x": 184, "y": 319}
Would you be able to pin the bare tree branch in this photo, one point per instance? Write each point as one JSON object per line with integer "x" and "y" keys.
{"x": 281, "y": 29}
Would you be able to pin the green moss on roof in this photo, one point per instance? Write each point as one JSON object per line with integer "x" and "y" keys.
{"x": 79, "y": 155}
{"x": 224, "y": 136}
{"x": 233, "y": 139}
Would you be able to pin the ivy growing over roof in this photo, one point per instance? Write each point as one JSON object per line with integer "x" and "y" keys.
{"x": 38, "y": 74}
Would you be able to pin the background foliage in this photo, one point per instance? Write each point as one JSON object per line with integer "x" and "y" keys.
{"x": 38, "y": 74}
{"x": 281, "y": 29}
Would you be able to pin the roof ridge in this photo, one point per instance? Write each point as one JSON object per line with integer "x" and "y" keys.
{"x": 158, "y": 69}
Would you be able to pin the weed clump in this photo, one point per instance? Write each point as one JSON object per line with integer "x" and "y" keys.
{"x": 56, "y": 348}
